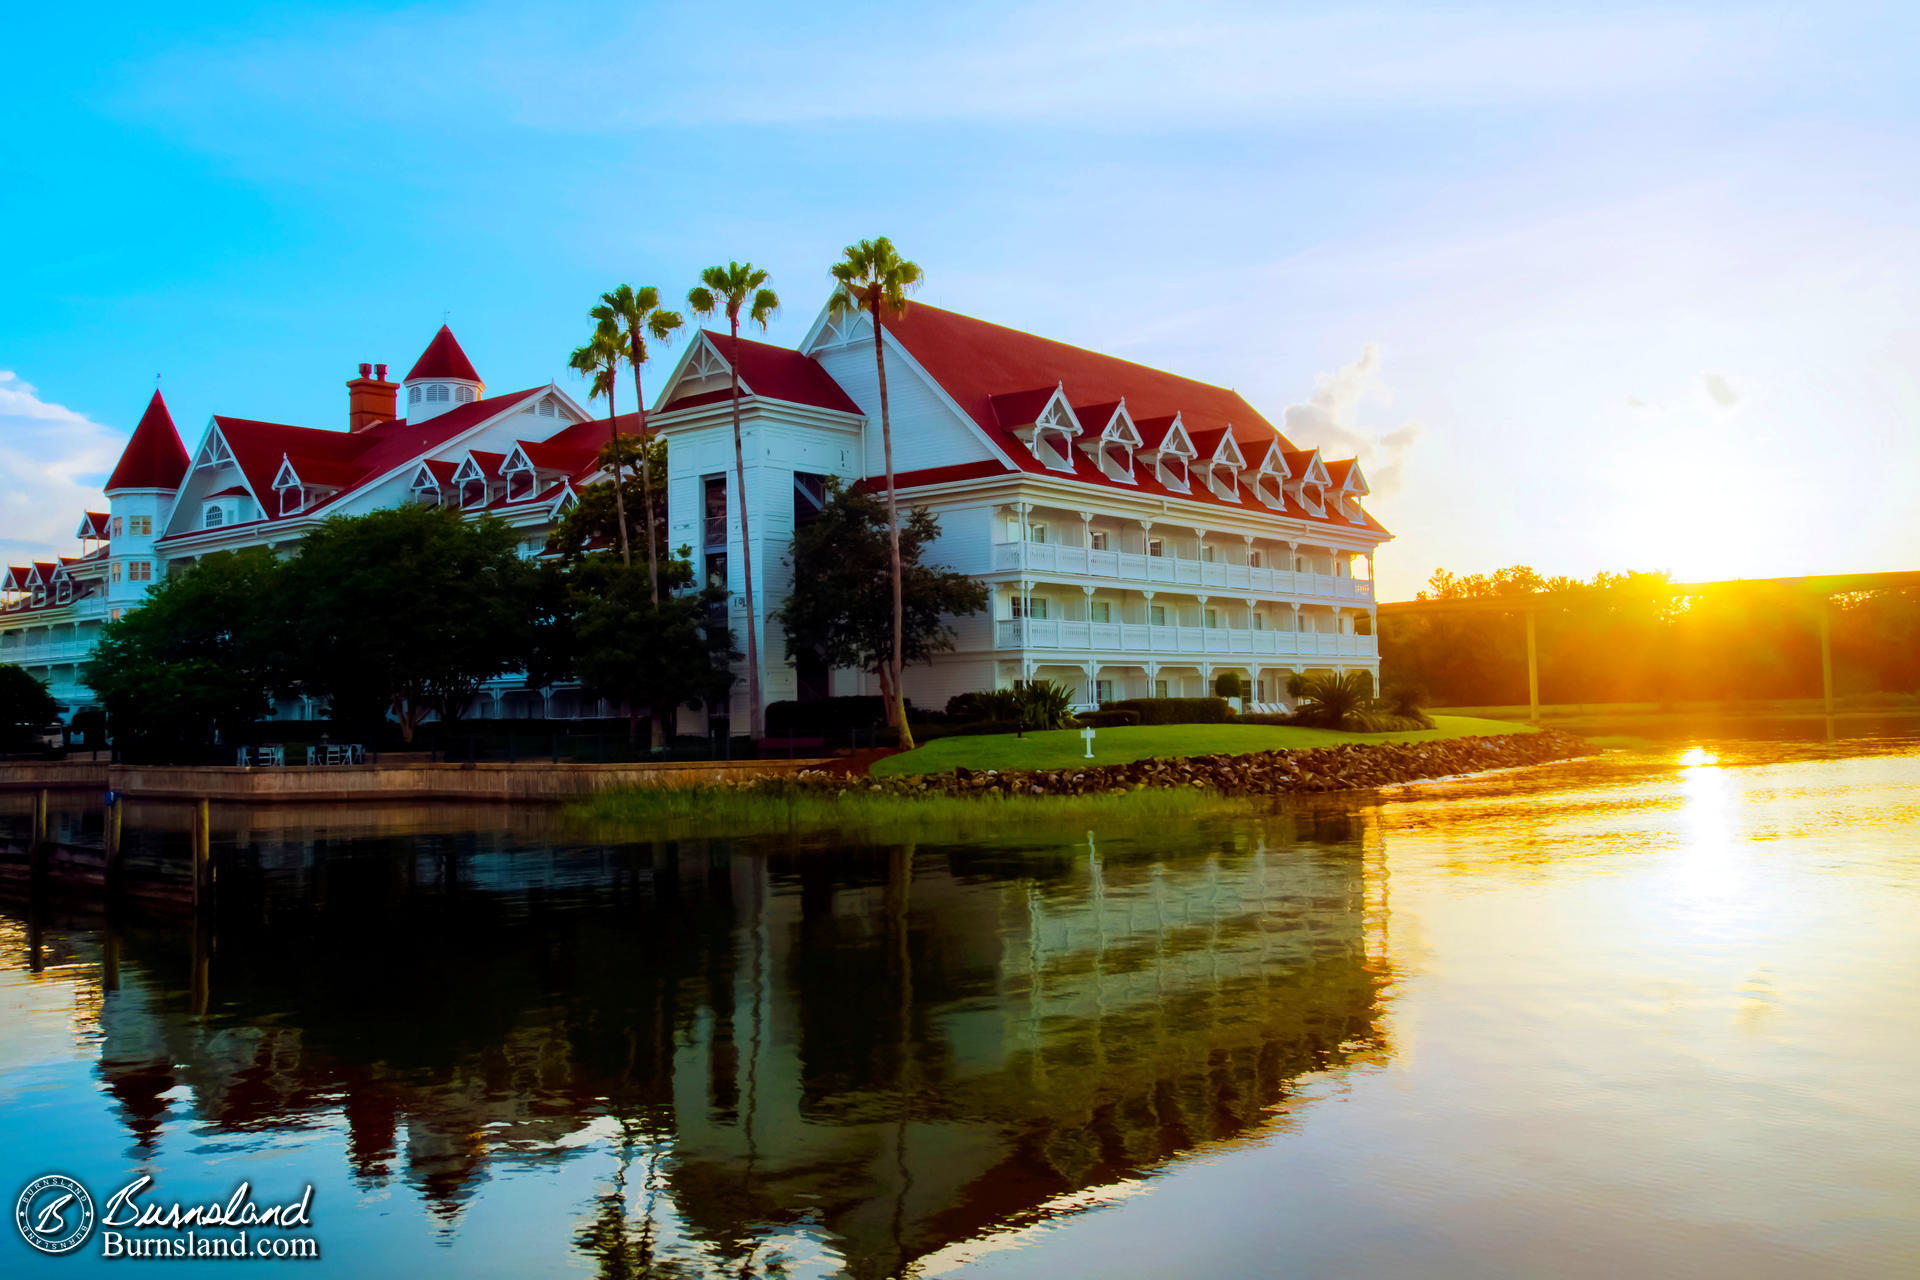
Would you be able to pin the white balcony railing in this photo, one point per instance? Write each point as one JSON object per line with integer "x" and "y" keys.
{"x": 45, "y": 652}
{"x": 1144, "y": 638}
{"x": 1132, "y": 567}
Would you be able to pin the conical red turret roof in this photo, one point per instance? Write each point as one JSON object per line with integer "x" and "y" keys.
{"x": 443, "y": 358}
{"x": 154, "y": 458}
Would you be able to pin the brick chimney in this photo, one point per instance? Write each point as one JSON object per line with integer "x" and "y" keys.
{"x": 371, "y": 398}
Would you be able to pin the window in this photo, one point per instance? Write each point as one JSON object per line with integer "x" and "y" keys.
{"x": 463, "y": 394}
{"x": 1206, "y": 553}
{"x": 1253, "y": 559}
{"x": 1102, "y": 611}
{"x": 413, "y": 395}
{"x": 1157, "y": 615}
{"x": 1259, "y": 622}
{"x": 215, "y": 517}
{"x": 292, "y": 498}
{"x": 65, "y": 592}
{"x": 1098, "y": 540}
{"x": 519, "y": 485}
{"x": 1160, "y": 689}
{"x": 1156, "y": 547}
{"x": 143, "y": 525}
{"x": 1030, "y": 607}
{"x": 114, "y": 572}
{"x": 116, "y": 526}
{"x": 1213, "y": 618}
{"x": 437, "y": 393}
{"x": 1103, "y": 691}
{"x": 1037, "y": 532}
{"x": 715, "y": 498}
{"x": 114, "y": 615}
{"x": 809, "y": 497}
{"x": 1299, "y": 564}
{"x": 717, "y": 579}
{"x": 140, "y": 571}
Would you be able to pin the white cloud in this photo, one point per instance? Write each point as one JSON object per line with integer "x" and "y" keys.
{"x": 1330, "y": 421}
{"x": 51, "y": 462}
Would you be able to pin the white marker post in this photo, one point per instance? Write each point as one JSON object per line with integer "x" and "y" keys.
{"x": 1087, "y": 733}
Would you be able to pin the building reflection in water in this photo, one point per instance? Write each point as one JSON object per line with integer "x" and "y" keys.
{"x": 882, "y": 1052}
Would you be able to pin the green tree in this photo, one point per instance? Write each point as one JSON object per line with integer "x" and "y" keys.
{"x": 594, "y": 521}
{"x": 410, "y": 610}
{"x": 872, "y": 277}
{"x": 842, "y": 604}
{"x": 598, "y": 360}
{"x": 657, "y": 654}
{"x": 201, "y": 658}
{"x": 25, "y": 707}
{"x": 731, "y": 289}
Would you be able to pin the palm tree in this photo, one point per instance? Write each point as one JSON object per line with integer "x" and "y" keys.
{"x": 636, "y": 315}
{"x": 599, "y": 362}
{"x": 729, "y": 289}
{"x": 875, "y": 279}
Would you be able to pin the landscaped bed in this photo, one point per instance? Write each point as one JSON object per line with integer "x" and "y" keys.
{"x": 965, "y": 802}
{"x": 1065, "y": 748}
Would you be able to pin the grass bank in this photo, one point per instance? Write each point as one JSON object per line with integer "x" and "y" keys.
{"x": 860, "y": 816}
{"x": 1062, "y": 748}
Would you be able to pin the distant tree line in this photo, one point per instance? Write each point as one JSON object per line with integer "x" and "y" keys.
{"x": 1617, "y": 638}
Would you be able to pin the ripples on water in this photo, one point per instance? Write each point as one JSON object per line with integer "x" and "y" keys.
{"x": 1647, "y": 1014}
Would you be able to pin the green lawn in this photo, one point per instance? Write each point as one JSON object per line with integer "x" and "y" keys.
{"x": 1059, "y": 748}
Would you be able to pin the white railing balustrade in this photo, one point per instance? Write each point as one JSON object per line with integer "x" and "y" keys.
{"x": 1143, "y": 638}
{"x": 1131, "y": 566}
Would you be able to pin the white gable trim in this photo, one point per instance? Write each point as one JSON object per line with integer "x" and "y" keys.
{"x": 896, "y": 350}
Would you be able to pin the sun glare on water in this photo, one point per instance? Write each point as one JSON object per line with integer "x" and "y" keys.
{"x": 1694, "y": 757}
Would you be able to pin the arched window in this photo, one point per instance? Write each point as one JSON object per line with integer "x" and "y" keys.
{"x": 436, "y": 393}
{"x": 413, "y": 395}
{"x": 463, "y": 394}
{"x": 215, "y": 517}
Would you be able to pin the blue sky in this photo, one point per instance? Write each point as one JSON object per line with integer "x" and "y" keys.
{"x": 1585, "y": 286}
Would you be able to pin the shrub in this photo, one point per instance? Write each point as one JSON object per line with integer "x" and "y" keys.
{"x": 984, "y": 704}
{"x": 1328, "y": 701}
{"x": 1042, "y": 704}
{"x": 1406, "y": 700}
{"x": 1297, "y": 683}
{"x": 1385, "y": 722}
{"x": 826, "y": 717}
{"x": 1227, "y": 684}
{"x": 1104, "y": 719}
{"x": 1175, "y": 710}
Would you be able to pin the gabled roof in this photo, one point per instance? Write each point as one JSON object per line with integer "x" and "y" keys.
{"x": 773, "y": 373}
{"x": 994, "y": 374}
{"x": 443, "y": 358}
{"x": 93, "y": 524}
{"x": 154, "y": 457}
{"x": 346, "y": 459}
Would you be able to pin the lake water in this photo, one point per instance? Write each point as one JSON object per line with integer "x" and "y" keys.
{"x": 1650, "y": 1014}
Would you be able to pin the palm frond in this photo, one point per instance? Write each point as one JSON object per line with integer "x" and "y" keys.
{"x": 765, "y": 303}
{"x": 661, "y": 323}
{"x": 700, "y": 300}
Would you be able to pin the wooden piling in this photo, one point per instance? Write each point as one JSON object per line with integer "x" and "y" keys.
{"x": 202, "y": 859}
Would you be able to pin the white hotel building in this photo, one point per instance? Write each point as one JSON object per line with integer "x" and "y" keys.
{"x": 1140, "y": 533}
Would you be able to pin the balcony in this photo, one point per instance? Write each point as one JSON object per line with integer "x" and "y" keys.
{"x": 1148, "y": 571}
{"x": 1146, "y": 639}
{"x": 45, "y": 653}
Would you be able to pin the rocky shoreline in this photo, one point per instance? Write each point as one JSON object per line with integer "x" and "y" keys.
{"x": 1349, "y": 767}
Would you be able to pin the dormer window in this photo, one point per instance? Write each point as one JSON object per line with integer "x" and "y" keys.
{"x": 413, "y": 395}
{"x": 473, "y": 493}
{"x": 1172, "y": 472}
{"x": 437, "y": 392}
{"x": 1051, "y": 435}
{"x": 292, "y": 499}
{"x": 65, "y": 592}
{"x": 463, "y": 395}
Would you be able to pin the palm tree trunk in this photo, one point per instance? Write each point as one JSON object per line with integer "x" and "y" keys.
{"x": 619, "y": 490}
{"x": 893, "y": 536}
{"x": 746, "y": 547}
{"x": 646, "y": 481}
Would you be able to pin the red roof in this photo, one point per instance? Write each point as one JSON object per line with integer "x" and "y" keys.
{"x": 1002, "y": 377}
{"x": 775, "y": 373}
{"x": 95, "y": 522}
{"x": 346, "y": 459}
{"x": 443, "y": 358}
{"x": 154, "y": 458}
